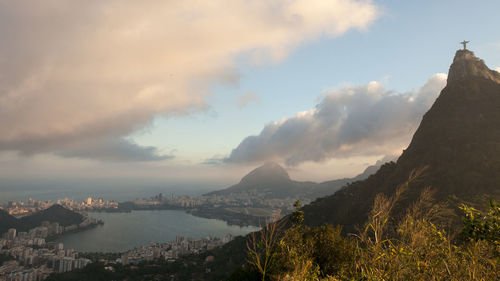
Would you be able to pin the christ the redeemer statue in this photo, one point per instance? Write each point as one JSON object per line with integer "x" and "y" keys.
{"x": 465, "y": 44}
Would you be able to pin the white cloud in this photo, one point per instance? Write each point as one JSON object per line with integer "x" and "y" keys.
{"x": 363, "y": 120}
{"x": 497, "y": 68}
{"x": 75, "y": 71}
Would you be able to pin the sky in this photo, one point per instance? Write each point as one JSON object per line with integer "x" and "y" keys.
{"x": 202, "y": 92}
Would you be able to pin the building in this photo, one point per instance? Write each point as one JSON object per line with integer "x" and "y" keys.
{"x": 11, "y": 234}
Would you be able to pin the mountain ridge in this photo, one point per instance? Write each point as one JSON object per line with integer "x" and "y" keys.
{"x": 55, "y": 213}
{"x": 7, "y": 221}
{"x": 275, "y": 181}
{"x": 458, "y": 140}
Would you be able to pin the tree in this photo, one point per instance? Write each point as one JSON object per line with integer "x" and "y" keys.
{"x": 297, "y": 217}
{"x": 482, "y": 227}
{"x": 261, "y": 248}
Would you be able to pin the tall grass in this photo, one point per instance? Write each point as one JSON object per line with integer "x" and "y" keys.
{"x": 413, "y": 248}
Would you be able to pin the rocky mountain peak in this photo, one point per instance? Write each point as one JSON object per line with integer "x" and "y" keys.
{"x": 267, "y": 173}
{"x": 458, "y": 140}
{"x": 466, "y": 64}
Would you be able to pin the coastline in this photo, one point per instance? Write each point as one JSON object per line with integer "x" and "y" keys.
{"x": 52, "y": 238}
{"x": 220, "y": 213}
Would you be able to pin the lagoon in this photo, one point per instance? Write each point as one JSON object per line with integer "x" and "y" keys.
{"x": 125, "y": 231}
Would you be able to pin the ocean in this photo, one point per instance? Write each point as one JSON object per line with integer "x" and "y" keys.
{"x": 16, "y": 191}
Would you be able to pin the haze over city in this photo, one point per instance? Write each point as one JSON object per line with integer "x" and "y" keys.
{"x": 127, "y": 92}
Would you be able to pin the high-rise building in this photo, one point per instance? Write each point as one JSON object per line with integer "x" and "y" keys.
{"x": 89, "y": 201}
{"x": 11, "y": 234}
{"x": 125, "y": 259}
{"x": 80, "y": 263}
{"x": 179, "y": 239}
{"x": 64, "y": 264}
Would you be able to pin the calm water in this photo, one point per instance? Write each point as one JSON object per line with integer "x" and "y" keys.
{"x": 124, "y": 231}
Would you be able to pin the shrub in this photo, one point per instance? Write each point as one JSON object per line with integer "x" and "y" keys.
{"x": 416, "y": 249}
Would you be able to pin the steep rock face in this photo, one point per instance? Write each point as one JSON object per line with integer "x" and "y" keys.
{"x": 458, "y": 139}
{"x": 466, "y": 65}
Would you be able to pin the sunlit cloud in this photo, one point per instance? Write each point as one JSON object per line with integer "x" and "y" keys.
{"x": 90, "y": 73}
{"x": 354, "y": 121}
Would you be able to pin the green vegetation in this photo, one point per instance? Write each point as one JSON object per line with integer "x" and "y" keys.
{"x": 411, "y": 248}
{"x": 55, "y": 213}
{"x": 4, "y": 258}
{"x": 191, "y": 267}
{"x": 478, "y": 227}
{"x": 92, "y": 272}
{"x": 97, "y": 256}
{"x": 229, "y": 216}
{"x": 256, "y": 212}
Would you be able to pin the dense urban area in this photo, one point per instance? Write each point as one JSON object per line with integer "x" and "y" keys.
{"x": 31, "y": 256}
{"x": 244, "y": 208}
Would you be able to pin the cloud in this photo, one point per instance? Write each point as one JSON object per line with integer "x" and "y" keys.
{"x": 352, "y": 121}
{"x": 248, "y": 98}
{"x": 75, "y": 71}
{"x": 214, "y": 161}
{"x": 114, "y": 150}
{"x": 497, "y": 68}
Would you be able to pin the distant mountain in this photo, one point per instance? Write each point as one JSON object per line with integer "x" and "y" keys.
{"x": 272, "y": 181}
{"x": 458, "y": 139}
{"x": 269, "y": 180}
{"x": 7, "y": 221}
{"x": 269, "y": 173}
{"x": 329, "y": 187}
{"x": 55, "y": 213}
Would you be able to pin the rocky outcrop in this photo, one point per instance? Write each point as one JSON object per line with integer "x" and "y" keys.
{"x": 466, "y": 65}
{"x": 458, "y": 140}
